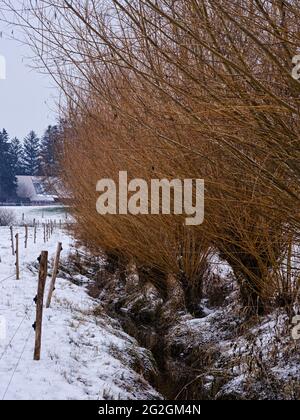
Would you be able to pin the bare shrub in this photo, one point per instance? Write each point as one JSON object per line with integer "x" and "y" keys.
{"x": 7, "y": 217}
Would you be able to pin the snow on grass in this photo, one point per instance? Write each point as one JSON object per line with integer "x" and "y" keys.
{"x": 257, "y": 359}
{"x": 83, "y": 356}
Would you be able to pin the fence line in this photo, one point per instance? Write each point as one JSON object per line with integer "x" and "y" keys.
{"x": 39, "y": 304}
{"x": 26, "y": 240}
{"x": 29, "y": 234}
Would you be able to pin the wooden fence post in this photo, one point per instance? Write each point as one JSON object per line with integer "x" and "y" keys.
{"x": 44, "y": 227}
{"x": 17, "y": 258}
{"x": 12, "y": 240}
{"x": 54, "y": 274}
{"x": 26, "y": 235}
{"x": 39, "y": 304}
{"x": 34, "y": 234}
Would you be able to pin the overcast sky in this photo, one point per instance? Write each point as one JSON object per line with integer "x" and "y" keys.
{"x": 27, "y": 98}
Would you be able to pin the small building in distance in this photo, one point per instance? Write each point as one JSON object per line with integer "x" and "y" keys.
{"x": 36, "y": 190}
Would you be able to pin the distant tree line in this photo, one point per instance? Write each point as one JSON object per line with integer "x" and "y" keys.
{"x": 34, "y": 156}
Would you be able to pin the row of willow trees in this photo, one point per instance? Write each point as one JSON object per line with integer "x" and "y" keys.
{"x": 182, "y": 89}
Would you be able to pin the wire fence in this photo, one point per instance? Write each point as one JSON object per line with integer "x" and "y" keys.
{"x": 45, "y": 229}
{"x": 9, "y": 347}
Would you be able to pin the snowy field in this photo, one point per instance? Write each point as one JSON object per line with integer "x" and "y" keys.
{"x": 40, "y": 214}
{"x": 83, "y": 356}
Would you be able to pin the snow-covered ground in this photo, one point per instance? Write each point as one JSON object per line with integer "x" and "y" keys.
{"x": 83, "y": 356}
{"x": 42, "y": 214}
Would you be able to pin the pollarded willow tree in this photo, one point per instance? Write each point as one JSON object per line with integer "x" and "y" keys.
{"x": 172, "y": 89}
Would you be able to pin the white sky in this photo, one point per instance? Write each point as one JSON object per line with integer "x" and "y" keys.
{"x": 27, "y": 98}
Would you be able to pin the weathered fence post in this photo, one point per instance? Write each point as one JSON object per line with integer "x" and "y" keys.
{"x": 34, "y": 234}
{"x": 26, "y": 236}
{"x": 12, "y": 240}
{"x": 17, "y": 258}
{"x": 39, "y": 304}
{"x": 54, "y": 274}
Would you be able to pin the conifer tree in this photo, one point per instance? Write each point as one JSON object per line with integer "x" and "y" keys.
{"x": 31, "y": 154}
{"x": 49, "y": 144}
{"x": 8, "y": 182}
{"x": 16, "y": 154}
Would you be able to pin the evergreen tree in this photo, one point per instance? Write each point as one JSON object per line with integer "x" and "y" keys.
{"x": 31, "y": 154}
{"x": 16, "y": 154}
{"x": 8, "y": 182}
{"x": 49, "y": 145}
